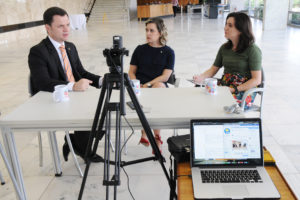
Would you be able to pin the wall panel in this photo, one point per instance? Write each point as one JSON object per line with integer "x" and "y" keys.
{"x": 21, "y": 11}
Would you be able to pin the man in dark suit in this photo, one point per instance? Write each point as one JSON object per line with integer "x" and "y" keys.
{"x": 54, "y": 62}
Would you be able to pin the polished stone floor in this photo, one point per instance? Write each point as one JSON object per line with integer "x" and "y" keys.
{"x": 196, "y": 41}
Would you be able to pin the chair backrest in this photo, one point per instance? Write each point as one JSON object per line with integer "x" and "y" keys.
{"x": 262, "y": 84}
{"x": 259, "y": 90}
{"x": 30, "y": 90}
{"x": 261, "y": 93}
{"x": 173, "y": 80}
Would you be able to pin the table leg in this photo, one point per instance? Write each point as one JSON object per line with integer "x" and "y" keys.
{"x": 40, "y": 148}
{"x": 125, "y": 144}
{"x": 11, "y": 174}
{"x": 54, "y": 153}
{"x": 13, "y": 160}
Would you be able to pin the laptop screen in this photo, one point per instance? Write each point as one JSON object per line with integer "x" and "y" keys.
{"x": 224, "y": 142}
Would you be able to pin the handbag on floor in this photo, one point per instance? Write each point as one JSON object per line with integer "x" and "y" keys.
{"x": 179, "y": 147}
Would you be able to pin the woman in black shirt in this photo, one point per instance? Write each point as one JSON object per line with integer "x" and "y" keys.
{"x": 153, "y": 63}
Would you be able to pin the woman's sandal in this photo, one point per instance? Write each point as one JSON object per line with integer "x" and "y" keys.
{"x": 144, "y": 142}
{"x": 158, "y": 139}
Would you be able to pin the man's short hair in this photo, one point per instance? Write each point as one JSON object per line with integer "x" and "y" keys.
{"x": 50, "y": 12}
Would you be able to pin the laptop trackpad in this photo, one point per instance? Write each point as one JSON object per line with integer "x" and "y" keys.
{"x": 235, "y": 190}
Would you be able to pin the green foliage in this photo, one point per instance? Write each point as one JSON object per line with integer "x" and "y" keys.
{"x": 296, "y": 2}
{"x": 295, "y": 18}
{"x": 258, "y": 13}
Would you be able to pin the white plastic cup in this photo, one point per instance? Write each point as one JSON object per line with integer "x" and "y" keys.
{"x": 61, "y": 93}
{"x": 211, "y": 86}
{"x": 136, "y": 86}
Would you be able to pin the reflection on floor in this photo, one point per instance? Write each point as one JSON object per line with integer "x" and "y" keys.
{"x": 195, "y": 41}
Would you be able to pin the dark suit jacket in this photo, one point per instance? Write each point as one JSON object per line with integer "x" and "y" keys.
{"x": 46, "y": 70}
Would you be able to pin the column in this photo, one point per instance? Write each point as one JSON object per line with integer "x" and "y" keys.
{"x": 275, "y": 14}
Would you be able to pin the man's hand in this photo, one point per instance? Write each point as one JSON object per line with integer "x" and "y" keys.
{"x": 82, "y": 85}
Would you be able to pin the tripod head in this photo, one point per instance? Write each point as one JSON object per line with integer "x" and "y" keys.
{"x": 114, "y": 60}
{"x": 114, "y": 55}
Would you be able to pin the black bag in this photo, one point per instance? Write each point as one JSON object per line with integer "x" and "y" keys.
{"x": 179, "y": 147}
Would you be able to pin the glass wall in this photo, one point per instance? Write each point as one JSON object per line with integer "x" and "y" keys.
{"x": 294, "y": 13}
{"x": 255, "y": 8}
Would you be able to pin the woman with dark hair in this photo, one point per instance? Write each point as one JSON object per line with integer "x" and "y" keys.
{"x": 240, "y": 57}
{"x": 153, "y": 63}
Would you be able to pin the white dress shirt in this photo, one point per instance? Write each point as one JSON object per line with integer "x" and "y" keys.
{"x": 56, "y": 46}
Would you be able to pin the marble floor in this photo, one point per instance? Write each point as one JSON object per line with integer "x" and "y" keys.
{"x": 195, "y": 40}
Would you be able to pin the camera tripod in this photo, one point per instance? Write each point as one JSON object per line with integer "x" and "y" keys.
{"x": 99, "y": 129}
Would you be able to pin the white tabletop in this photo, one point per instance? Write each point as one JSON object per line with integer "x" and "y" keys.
{"x": 164, "y": 108}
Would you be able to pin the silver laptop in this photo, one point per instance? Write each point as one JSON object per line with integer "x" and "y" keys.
{"x": 227, "y": 160}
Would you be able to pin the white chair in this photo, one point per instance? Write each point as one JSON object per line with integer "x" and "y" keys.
{"x": 40, "y": 139}
{"x": 260, "y": 92}
{"x": 2, "y": 179}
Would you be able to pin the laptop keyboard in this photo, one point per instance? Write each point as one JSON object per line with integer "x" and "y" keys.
{"x": 230, "y": 176}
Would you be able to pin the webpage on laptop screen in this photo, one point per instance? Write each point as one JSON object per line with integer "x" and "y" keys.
{"x": 226, "y": 143}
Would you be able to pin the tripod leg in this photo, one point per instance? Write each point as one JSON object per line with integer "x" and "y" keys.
{"x": 104, "y": 89}
{"x": 118, "y": 145}
{"x": 147, "y": 129}
{"x": 99, "y": 133}
{"x": 115, "y": 179}
{"x": 97, "y": 114}
{"x": 117, "y": 153}
{"x": 106, "y": 149}
{"x": 107, "y": 154}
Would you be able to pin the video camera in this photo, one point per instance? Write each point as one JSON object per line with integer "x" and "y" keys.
{"x": 115, "y": 54}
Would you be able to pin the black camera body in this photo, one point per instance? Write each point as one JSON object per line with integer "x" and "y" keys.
{"x": 114, "y": 55}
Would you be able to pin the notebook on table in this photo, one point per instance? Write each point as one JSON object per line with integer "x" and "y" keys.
{"x": 227, "y": 160}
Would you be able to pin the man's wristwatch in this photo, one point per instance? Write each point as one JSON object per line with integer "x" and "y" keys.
{"x": 149, "y": 85}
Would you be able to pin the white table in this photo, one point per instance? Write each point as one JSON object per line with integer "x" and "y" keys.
{"x": 78, "y": 22}
{"x": 164, "y": 109}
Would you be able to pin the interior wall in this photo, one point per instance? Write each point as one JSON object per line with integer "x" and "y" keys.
{"x": 21, "y": 11}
